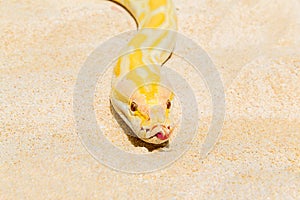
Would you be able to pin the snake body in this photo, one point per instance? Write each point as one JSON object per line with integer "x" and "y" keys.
{"x": 139, "y": 93}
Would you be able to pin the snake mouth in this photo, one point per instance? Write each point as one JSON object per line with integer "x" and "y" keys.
{"x": 161, "y": 132}
{"x": 162, "y": 136}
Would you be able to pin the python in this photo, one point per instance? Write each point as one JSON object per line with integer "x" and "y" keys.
{"x": 140, "y": 92}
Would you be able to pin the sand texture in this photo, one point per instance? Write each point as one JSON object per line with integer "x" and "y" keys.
{"x": 255, "y": 45}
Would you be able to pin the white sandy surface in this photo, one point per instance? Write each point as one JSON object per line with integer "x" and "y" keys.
{"x": 255, "y": 47}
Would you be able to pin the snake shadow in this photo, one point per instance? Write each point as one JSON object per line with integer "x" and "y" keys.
{"x": 132, "y": 137}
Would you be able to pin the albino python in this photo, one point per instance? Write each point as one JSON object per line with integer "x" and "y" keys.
{"x": 140, "y": 92}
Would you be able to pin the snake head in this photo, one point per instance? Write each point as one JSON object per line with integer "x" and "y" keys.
{"x": 148, "y": 113}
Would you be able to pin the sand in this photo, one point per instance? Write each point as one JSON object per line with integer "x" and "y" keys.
{"x": 253, "y": 44}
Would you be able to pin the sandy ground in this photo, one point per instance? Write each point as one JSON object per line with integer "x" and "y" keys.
{"x": 254, "y": 45}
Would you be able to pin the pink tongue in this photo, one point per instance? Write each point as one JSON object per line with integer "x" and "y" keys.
{"x": 161, "y": 136}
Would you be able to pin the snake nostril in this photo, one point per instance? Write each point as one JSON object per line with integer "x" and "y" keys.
{"x": 147, "y": 129}
{"x": 168, "y": 127}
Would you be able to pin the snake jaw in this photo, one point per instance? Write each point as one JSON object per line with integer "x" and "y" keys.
{"x": 158, "y": 133}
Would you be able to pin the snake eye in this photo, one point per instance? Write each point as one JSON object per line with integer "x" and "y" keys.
{"x": 133, "y": 106}
{"x": 168, "y": 104}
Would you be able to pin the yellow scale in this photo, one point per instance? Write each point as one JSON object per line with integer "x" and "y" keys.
{"x": 140, "y": 93}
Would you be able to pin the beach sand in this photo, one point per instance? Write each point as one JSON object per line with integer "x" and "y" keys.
{"x": 255, "y": 46}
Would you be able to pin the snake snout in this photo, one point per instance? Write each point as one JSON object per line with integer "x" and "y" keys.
{"x": 160, "y": 132}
